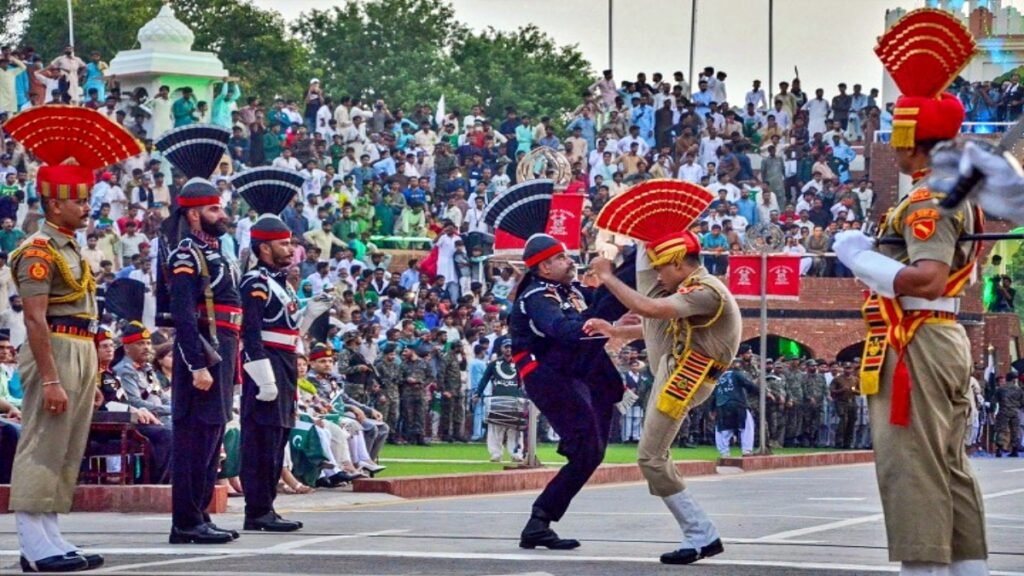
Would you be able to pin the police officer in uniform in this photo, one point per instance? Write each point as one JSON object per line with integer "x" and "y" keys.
{"x": 918, "y": 377}
{"x": 205, "y": 307}
{"x": 691, "y": 328}
{"x": 776, "y": 406}
{"x": 815, "y": 394}
{"x": 844, "y": 390}
{"x": 572, "y": 382}
{"x": 453, "y": 401}
{"x": 795, "y": 402}
{"x": 358, "y": 373}
{"x": 1010, "y": 399}
{"x": 389, "y": 371}
{"x": 417, "y": 375}
{"x": 271, "y": 338}
{"x": 58, "y": 364}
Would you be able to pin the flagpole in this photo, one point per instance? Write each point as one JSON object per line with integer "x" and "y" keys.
{"x": 71, "y": 25}
{"x": 693, "y": 42}
{"x": 610, "y": 20}
{"x": 762, "y": 380}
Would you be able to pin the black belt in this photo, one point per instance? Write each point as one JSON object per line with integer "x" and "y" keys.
{"x": 72, "y": 325}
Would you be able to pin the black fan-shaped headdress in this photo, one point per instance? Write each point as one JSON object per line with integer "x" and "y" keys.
{"x": 195, "y": 149}
{"x": 126, "y": 299}
{"x": 522, "y": 210}
{"x": 268, "y": 190}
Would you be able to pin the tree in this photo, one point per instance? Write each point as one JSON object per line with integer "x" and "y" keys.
{"x": 394, "y": 49}
{"x": 254, "y": 44}
{"x": 413, "y": 51}
{"x": 525, "y": 69}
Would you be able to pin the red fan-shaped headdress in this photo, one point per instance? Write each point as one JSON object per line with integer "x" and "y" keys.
{"x": 924, "y": 52}
{"x": 74, "y": 142}
{"x": 658, "y": 213}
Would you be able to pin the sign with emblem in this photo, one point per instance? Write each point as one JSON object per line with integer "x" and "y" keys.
{"x": 782, "y": 273}
{"x": 565, "y": 224}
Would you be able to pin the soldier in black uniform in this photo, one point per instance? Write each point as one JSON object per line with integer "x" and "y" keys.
{"x": 572, "y": 381}
{"x": 205, "y": 307}
{"x": 270, "y": 321}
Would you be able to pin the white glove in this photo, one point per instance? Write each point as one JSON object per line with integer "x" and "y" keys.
{"x": 262, "y": 373}
{"x": 849, "y": 244}
{"x": 1002, "y": 192}
{"x": 878, "y": 272}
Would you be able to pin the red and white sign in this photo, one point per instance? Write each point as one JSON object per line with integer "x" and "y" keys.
{"x": 783, "y": 274}
{"x": 565, "y": 224}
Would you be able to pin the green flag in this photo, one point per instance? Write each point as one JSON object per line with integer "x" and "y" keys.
{"x": 307, "y": 452}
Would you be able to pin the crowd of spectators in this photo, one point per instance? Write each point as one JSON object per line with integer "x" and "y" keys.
{"x": 380, "y": 179}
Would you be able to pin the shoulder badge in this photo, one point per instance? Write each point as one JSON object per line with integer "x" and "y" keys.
{"x": 920, "y": 195}
{"x": 41, "y": 242}
{"x": 922, "y": 223}
{"x": 39, "y": 271}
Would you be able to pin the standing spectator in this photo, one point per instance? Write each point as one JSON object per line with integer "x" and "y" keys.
{"x": 184, "y": 110}
{"x": 817, "y": 111}
{"x": 1005, "y": 295}
{"x": 223, "y": 104}
{"x": 10, "y": 69}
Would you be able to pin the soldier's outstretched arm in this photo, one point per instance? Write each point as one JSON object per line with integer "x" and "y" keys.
{"x": 1001, "y": 194}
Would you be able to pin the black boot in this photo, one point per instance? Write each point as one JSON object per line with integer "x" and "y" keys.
{"x": 232, "y": 533}
{"x": 538, "y": 533}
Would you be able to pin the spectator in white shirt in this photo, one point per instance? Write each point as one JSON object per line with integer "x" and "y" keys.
{"x": 709, "y": 147}
{"x": 387, "y": 316}
{"x": 756, "y": 96}
{"x": 782, "y": 117}
{"x": 689, "y": 170}
{"x": 286, "y": 160}
{"x": 815, "y": 184}
{"x": 320, "y": 279}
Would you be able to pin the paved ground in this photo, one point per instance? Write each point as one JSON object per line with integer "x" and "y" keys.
{"x": 823, "y": 521}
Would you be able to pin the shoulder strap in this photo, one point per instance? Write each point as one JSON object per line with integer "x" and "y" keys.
{"x": 204, "y": 274}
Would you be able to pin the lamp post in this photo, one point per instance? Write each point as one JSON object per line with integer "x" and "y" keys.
{"x": 71, "y": 25}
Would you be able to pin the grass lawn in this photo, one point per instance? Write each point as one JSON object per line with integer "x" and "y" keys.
{"x": 471, "y": 458}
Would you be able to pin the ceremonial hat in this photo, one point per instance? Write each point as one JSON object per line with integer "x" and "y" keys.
{"x": 659, "y": 213}
{"x": 320, "y": 350}
{"x": 539, "y": 248}
{"x": 268, "y": 191}
{"x": 102, "y": 336}
{"x": 924, "y": 52}
{"x": 133, "y": 332}
{"x": 522, "y": 210}
{"x": 74, "y": 143}
{"x": 126, "y": 299}
{"x": 195, "y": 150}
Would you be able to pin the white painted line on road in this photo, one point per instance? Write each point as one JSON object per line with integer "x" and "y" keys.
{"x": 123, "y": 568}
{"x": 823, "y": 527}
{"x": 837, "y": 499}
{"x": 1013, "y": 470}
{"x": 1003, "y": 493}
{"x": 296, "y": 544}
{"x": 511, "y": 557}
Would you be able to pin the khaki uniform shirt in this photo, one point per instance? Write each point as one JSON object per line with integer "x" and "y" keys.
{"x": 38, "y": 272}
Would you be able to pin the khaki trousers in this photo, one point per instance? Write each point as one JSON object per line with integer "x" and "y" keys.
{"x": 51, "y": 447}
{"x": 654, "y": 454}
{"x": 931, "y": 500}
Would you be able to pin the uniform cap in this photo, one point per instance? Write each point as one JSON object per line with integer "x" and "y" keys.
{"x": 195, "y": 150}
{"x": 924, "y": 52}
{"x": 320, "y": 350}
{"x": 74, "y": 143}
{"x": 269, "y": 191}
{"x": 539, "y": 248}
{"x": 658, "y": 213}
{"x": 134, "y": 332}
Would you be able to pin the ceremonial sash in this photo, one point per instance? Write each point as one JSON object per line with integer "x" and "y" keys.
{"x": 890, "y": 325}
{"x": 692, "y": 367}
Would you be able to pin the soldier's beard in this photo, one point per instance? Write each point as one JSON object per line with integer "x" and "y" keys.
{"x": 216, "y": 228}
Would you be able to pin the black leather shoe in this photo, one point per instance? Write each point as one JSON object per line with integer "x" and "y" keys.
{"x": 94, "y": 560}
{"x": 690, "y": 555}
{"x": 215, "y": 528}
{"x": 55, "y": 564}
{"x": 296, "y": 522}
{"x": 547, "y": 539}
{"x": 201, "y": 534}
{"x": 271, "y": 522}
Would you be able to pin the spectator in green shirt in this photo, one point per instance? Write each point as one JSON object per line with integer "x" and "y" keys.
{"x": 10, "y": 186}
{"x": 10, "y": 237}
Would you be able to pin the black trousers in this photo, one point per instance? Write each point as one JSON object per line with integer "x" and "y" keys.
{"x": 196, "y": 454}
{"x": 160, "y": 441}
{"x": 8, "y": 446}
{"x": 262, "y": 450}
{"x": 581, "y": 414}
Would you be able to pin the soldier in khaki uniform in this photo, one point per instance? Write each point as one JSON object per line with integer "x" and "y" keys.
{"x": 917, "y": 365}
{"x": 691, "y": 327}
{"x": 844, "y": 391}
{"x": 58, "y": 366}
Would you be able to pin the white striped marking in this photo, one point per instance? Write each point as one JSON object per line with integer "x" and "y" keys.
{"x": 523, "y": 557}
{"x": 1011, "y": 471}
{"x": 837, "y": 499}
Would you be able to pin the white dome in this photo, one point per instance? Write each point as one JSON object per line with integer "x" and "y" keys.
{"x": 166, "y": 33}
